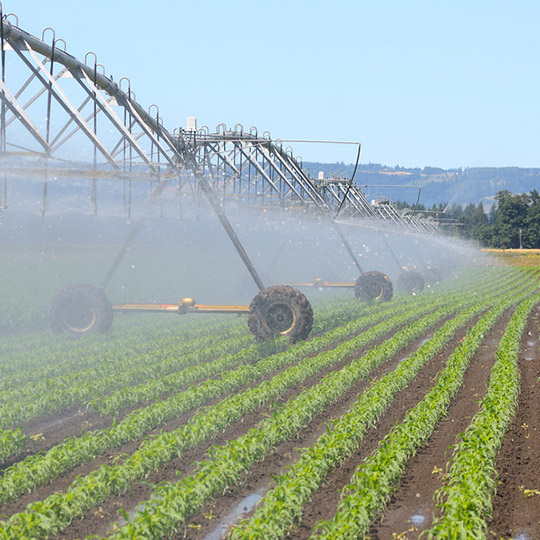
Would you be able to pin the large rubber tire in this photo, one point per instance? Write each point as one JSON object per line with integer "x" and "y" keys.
{"x": 410, "y": 281}
{"x": 373, "y": 286}
{"x": 433, "y": 275}
{"x": 80, "y": 310}
{"x": 280, "y": 310}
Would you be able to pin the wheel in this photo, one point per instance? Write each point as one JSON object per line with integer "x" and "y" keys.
{"x": 80, "y": 310}
{"x": 410, "y": 281}
{"x": 280, "y": 310}
{"x": 373, "y": 286}
{"x": 433, "y": 275}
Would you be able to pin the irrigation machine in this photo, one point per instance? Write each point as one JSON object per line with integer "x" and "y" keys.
{"x": 117, "y": 139}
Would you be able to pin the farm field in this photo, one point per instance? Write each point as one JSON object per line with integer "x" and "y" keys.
{"x": 420, "y": 416}
{"x": 516, "y": 257}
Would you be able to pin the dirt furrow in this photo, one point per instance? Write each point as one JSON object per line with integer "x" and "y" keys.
{"x": 412, "y": 508}
{"x": 516, "y": 512}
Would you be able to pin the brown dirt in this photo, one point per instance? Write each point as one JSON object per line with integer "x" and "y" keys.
{"x": 424, "y": 471}
{"x": 518, "y": 463}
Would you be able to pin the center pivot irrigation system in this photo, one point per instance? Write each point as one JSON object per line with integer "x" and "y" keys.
{"x": 64, "y": 119}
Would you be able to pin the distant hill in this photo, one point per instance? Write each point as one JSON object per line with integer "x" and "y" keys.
{"x": 462, "y": 186}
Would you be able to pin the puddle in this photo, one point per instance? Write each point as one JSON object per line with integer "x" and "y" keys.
{"x": 531, "y": 343}
{"x": 403, "y": 359}
{"x": 243, "y": 507}
{"x": 529, "y": 358}
{"x": 425, "y": 341}
{"x": 417, "y": 519}
{"x": 522, "y": 536}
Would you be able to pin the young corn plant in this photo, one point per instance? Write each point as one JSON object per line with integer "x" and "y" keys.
{"x": 465, "y": 498}
{"x": 282, "y": 506}
{"x": 375, "y": 479}
{"x": 58, "y": 510}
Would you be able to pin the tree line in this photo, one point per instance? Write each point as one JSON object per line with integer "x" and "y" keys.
{"x": 512, "y": 222}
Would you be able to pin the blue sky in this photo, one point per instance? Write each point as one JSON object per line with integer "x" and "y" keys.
{"x": 418, "y": 83}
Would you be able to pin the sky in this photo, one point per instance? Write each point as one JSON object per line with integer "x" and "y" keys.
{"x": 418, "y": 83}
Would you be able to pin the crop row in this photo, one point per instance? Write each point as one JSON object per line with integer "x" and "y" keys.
{"x": 172, "y": 504}
{"x": 282, "y": 505}
{"x": 59, "y": 354}
{"x": 84, "y": 357}
{"x": 47, "y": 517}
{"x": 51, "y": 394}
{"x": 39, "y": 469}
{"x": 62, "y": 392}
{"x": 465, "y": 499}
{"x": 375, "y": 479}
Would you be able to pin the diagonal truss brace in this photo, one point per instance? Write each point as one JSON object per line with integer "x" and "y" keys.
{"x": 46, "y": 79}
{"x": 20, "y": 113}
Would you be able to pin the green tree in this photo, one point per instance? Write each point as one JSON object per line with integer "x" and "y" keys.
{"x": 531, "y": 235}
{"x": 511, "y": 214}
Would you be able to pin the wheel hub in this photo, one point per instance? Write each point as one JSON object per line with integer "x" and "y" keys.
{"x": 79, "y": 317}
{"x": 279, "y": 317}
{"x": 374, "y": 289}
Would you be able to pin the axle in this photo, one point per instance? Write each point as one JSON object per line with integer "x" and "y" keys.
{"x": 319, "y": 283}
{"x": 186, "y": 305}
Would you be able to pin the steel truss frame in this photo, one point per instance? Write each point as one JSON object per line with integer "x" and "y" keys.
{"x": 83, "y": 106}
